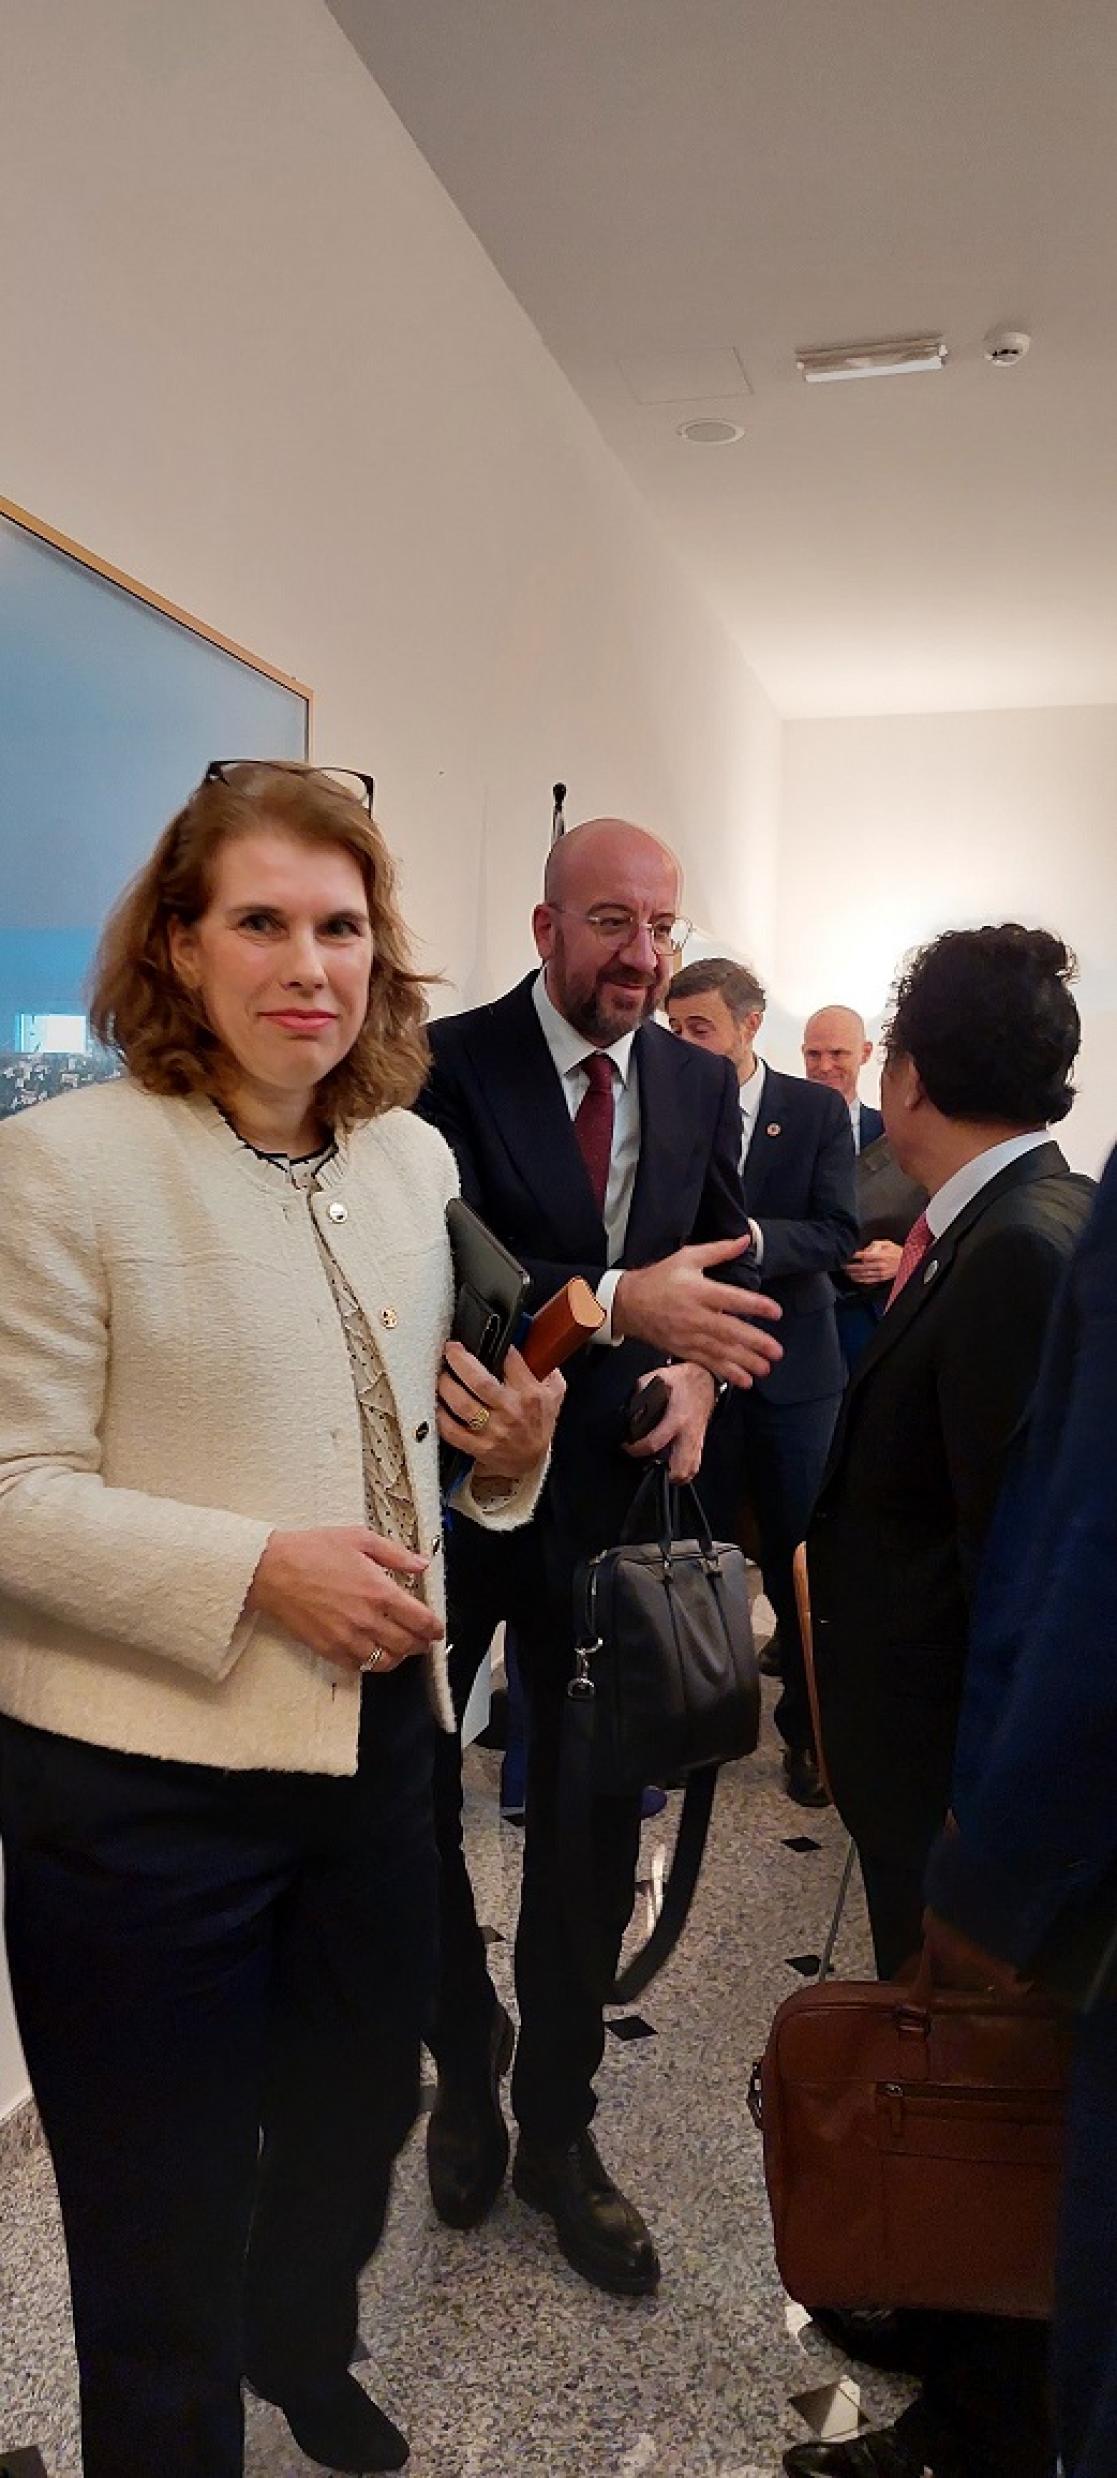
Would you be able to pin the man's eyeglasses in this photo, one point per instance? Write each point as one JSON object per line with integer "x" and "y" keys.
{"x": 347, "y": 778}
{"x": 617, "y": 928}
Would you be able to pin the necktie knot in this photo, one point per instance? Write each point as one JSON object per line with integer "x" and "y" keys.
{"x": 598, "y": 1070}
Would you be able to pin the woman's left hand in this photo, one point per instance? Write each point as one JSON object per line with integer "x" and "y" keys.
{"x": 505, "y": 1424}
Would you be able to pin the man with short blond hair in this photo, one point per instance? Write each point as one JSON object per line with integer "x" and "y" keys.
{"x": 835, "y": 1049}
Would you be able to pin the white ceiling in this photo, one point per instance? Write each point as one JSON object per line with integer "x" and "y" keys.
{"x": 683, "y": 191}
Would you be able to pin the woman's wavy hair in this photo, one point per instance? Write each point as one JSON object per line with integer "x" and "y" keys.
{"x": 140, "y": 1009}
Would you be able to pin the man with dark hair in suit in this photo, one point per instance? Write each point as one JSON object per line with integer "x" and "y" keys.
{"x": 593, "y": 1145}
{"x": 978, "y": 1058}
{"x": 798, "y": 1169}
{"x": 1028, "y": 1872}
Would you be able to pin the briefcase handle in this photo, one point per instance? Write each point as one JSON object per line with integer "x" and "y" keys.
{"x": 663, "y": 1509}
{"x": 925, "y": 1978}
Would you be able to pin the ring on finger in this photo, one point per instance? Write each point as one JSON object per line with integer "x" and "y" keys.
{"x": 479, "y": 1421}
{"x": 374, "y": 1659}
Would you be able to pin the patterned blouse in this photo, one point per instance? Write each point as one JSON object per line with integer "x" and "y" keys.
{"x": 389, "y": 1507}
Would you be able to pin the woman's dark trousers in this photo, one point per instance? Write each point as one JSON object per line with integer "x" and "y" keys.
{"x": 221, "y": 1980}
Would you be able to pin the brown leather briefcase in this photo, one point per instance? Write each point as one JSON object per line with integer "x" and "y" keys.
{"x": 912, "y": 2142}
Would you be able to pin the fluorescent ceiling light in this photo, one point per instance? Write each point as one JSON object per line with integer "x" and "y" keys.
{"x": 872, "y": 361}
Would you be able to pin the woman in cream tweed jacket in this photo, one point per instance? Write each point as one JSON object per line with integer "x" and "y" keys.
{"x": 225, "y": 1295}
{"x": 173, "y": 1390}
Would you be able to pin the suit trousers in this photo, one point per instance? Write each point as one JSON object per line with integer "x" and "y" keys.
{"x": 984, "y": 2406}
{"x": 527, "y": 1581}
{"x": 783, "y": 1448}
{"x": 221, "y": 1981}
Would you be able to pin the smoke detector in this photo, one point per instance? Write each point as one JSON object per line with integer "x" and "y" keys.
{"x": 1004, "y": 345}
{"x": 710, "y": 434}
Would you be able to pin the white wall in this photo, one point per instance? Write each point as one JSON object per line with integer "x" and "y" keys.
{"x": 262, "y": 363}
{"x": 894, "y": 828}
{"x": 253, "y": 356}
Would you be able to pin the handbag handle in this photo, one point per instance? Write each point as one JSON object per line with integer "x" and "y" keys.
{"x": 660, "y": 1508}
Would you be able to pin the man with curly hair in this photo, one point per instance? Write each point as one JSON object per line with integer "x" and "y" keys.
{"x": 978, "y": 1057}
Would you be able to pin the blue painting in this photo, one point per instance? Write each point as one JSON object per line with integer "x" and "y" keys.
{"x": 110, "y": 711}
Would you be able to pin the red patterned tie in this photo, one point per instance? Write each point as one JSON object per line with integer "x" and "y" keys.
{"x": 593, "y": 1124}
{"x": 915, "y": 1249}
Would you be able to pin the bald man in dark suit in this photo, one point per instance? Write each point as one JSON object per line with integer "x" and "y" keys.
{"x": 592, "y": 1144}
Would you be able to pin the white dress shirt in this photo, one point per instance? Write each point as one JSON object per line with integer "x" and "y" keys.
{"x": 951, "y": 1200}
{"x": 855, "y": 1123}
{"x": 569, "y": 1050}
{"x": 752, "y": 1094}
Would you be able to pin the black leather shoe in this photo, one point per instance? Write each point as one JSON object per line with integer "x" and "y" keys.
{"x": 801, "y": 1778}
{"x": 338, "y": 2425}
{"x": 874, "y": 2336}
{"x": 868, "y": 2456}
{"x": 467, "y": 2139}
{"x": 600, "y": 2232}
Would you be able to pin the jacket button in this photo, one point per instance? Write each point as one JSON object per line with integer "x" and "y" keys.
{"x": 338, "y": 1213}
{"x": 436, "y": 1545}
{"x": 389, "y": 1319}
{"x": 422, "y": 1432}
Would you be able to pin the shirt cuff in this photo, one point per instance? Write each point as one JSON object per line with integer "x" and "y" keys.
{"x": 757, "y": 1242}
{"x": 606, "y": 1292}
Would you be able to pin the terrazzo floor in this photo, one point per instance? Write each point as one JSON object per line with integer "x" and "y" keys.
{"x": 495, "y": 2357}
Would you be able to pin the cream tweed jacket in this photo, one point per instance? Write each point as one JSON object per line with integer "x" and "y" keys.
{"x": 174, "y": 1386}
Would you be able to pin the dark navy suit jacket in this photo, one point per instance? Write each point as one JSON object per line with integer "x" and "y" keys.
{"x": 1035, "y": 1789}
{"x": 905, "y": 1508}
{"x": 496, "y": 1097}
{"x": 799, "y": 1189}
{"x": 872, "y": 1126}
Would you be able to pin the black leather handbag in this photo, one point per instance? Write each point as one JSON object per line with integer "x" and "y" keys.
{"x": 665, "y": 1688}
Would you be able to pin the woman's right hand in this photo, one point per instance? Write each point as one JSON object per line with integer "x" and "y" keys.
{"x": 334, "y": 1591}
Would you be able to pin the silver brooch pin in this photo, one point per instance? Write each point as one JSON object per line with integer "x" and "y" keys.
{"x": 932, "y": 1270}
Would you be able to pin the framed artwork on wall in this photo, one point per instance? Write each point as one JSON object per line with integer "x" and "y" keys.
{"x": 112, "y": 703}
